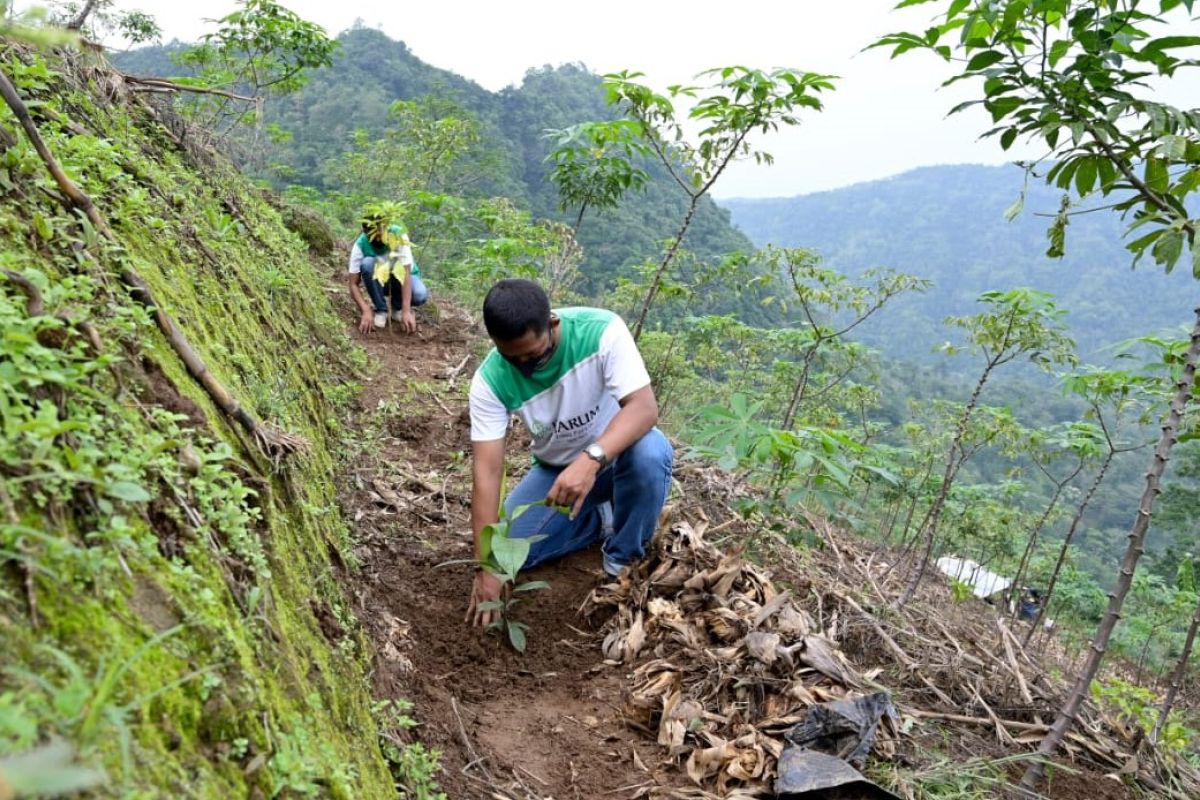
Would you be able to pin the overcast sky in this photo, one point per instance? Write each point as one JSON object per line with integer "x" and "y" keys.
{"x": 885, "y": 117}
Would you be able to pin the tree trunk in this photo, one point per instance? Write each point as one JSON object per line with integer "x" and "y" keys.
{"x": 1066, "y": 545}
{"x": 1141, "y": 665}
{"x": 905, "y": 543}
{"x": 789, "y": 416}
{"x": 1176, "y": 678}
{"x": 1034, "y": 535}
{"x": 1133, "y": 553}
{"x": 80, "y": 18}
{"x": 652, "y": 291}
{"x": 935, "y": 513}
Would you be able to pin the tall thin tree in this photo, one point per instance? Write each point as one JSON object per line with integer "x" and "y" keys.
{"x": 1070, "y": 76}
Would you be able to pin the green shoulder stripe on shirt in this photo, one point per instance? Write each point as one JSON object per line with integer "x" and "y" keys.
{"x": 580, "y": 330}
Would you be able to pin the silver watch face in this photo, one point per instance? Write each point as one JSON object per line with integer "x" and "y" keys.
{"x": 596, "y": 452}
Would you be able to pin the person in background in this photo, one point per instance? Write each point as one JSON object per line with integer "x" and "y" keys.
{"x": 382, "y": 258}
{"x": 578, "y": 383}
{"x": 1031, "y": 602}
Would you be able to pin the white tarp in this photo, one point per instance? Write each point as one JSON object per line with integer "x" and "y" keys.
{"x": 983, "y": 582}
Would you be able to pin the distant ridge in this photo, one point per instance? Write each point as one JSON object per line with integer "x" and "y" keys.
{"x": 946, "y": 223}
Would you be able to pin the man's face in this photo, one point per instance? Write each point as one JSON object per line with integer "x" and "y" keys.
{"x": 531, "y": 351}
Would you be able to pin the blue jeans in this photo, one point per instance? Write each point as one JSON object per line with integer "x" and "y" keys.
{"x": 621, "y": 510}
{"x": 379, "y": 293}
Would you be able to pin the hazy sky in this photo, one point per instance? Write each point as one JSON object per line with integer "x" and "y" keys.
{"x": 885, "y": 117}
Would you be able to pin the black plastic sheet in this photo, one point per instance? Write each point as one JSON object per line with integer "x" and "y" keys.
{"x": 825, "y": 752}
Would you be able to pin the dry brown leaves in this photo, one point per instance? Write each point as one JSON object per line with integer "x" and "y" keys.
{"x": 730, "y": 663}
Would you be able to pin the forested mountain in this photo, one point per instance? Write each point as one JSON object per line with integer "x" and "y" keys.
{"x": 946, "y": 223}
{"x": 371, "y": 71}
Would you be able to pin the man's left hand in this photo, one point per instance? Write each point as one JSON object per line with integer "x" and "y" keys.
{"x": 573, "y": 484}
{"x": 408, "y": 322}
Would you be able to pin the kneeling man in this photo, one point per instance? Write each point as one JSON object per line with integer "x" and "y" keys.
{"x": 578, "y": 383}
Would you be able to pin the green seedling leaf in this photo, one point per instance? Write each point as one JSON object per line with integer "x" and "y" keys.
{"x": 521, "y": 509}
{"x": 516, "y": 636}
{"x": 491, "y": 605}
{"x": 510, "y": 554}
{"x": 529, "y": 586}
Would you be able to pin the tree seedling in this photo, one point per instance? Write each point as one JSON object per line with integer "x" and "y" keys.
{"x": 503, "y": 557}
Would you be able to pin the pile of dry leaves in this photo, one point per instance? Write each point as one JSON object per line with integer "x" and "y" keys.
{"x": 730, "y": 663}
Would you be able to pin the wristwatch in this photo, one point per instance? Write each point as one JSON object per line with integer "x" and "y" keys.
{"x": 595, "y": 452}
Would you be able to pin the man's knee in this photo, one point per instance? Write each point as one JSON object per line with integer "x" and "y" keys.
{"x": 649, "y": 459}
{"x": 420, "y": 292}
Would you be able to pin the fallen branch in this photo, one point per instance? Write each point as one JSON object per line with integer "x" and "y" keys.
{"x": 455, "y": 371}
{"x": 442, "y": 405}
{"x": 1014, "y": 668}
{"x": 1002, "y": 735}
{"x": 163, "y": 85}
{"x": 897, "y": 651}
{"x": 36, "y": 307}
{"x": 274, "y": 443}
{"x": 985, "y": 721}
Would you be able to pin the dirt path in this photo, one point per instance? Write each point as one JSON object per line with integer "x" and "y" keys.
{"x": 540, "y": 725}
{"x": 546, "y": 724}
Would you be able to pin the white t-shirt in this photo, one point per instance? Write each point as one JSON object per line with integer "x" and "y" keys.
{"x": 568, "y": 403}
{"x": 401, "y": 252}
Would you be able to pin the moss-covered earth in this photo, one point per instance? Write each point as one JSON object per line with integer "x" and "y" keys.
{"x": 158, "y": 576}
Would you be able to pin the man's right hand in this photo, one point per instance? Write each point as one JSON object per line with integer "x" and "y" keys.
{"x": 366, "y": 323}
{"x": 485, "y": 588}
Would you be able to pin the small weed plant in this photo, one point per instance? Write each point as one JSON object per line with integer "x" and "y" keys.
{"x": 1138, "y": 706}
{"x": 414, "y": 767}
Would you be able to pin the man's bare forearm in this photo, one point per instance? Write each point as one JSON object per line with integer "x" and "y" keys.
{"x": 356, "y": 294}
{"x": 487, "y": 466}
{"x": 638, "y": 414}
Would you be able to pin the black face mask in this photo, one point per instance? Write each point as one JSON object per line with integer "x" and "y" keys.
{"x": 529, "y": 366}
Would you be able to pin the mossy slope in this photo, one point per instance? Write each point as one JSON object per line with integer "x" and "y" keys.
{"x": 161, "y": 581}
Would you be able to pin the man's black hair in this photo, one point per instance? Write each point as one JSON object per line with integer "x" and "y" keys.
{"x": 514, "y": 306}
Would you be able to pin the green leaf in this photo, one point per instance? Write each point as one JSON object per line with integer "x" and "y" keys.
{"x": 491, "y": 605}
{"x": 510, "y": 554}
{"x": 129, "y": 492}
{"x": 529, "y": 586}
{"x": 1003, "y": 106}
{"x": 1007, "y": 138}
{"x": 1172, "y": 42}
{"x": 1058, "y": 50}
{"x": 1157, "y": 177}
{"x": 1168, "y": 248}
{"x": 985, "y": 59}
{"x": 1085, "y": 176}
{"x": 485, "y": 542}
{"x": 516, "y": 636}
{"x": 1174, "y": 147}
